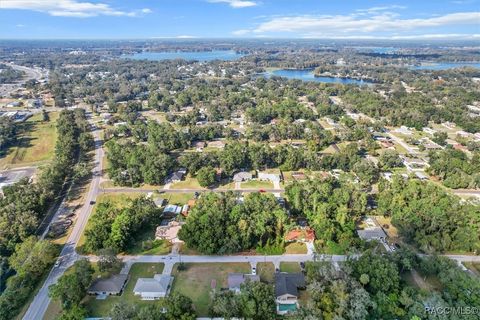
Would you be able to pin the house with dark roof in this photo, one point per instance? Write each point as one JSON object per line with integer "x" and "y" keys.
{"x": 112, "y": 286}
{"x": 235, "y": 280}
{"x": 286, "y": 291}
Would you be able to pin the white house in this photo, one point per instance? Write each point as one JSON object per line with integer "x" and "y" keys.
{"x": 270, "y": 176}
{"x": 153, "y": 288}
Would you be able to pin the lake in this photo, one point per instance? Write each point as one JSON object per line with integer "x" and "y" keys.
{"x": 446, "y": 65}
{"x": 307, "y": 75}
{"x": 186, "y": 55}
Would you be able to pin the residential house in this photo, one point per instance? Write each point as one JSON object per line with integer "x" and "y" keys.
{"x": 404, "y": 130}
{"x": 112, "y": 285}
{"x": 169, "y": 232}
{"x": 300, "y": 235}
{"x": 185, "y": 210}
{"x": 242, "y": 176}
{"x": 273, "y": 176}
{"x": 372, "y": 233}
{"x": 178, "y": 175}
{"x": 199, "y": 145}
{"x": 216, "y": 144}
{"x": 428, "y": 130}
{"x": 172, "y": 209}
{"x": 286, "y": 291}
{"x": 153, "y": 288}
{"x": 159, "y": 202}
{"x": 235, "y": 280}
{"x": 299, "y": 176}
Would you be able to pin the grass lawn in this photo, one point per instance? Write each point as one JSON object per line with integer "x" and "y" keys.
{"x": 197, "y": 280}
{"x": 256, "y": 184}
{"x": 188, "y": 183}
{"x": 290, "y": 267}
{"x": 177, "y": 198}
{"x": 296, "y": 248}
{"x": 54, "y": 310}
{"x": 35, "y": 143}
{"x": 159, "y": 247}
{"x": 101, "y": 308}
{"x": 473, "y": 266}
{"x": 266, "y": 271}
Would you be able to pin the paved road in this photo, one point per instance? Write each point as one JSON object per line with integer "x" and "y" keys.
{"x": 128, "y": 190}
{"x": 31, "y": 73}
{"x": 403, "y": 144}
{"x": 68, "y": 256}
{"x": 467, "y": 192}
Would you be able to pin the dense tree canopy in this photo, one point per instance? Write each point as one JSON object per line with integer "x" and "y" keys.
{"x": 219, "y": 224}
{"x": 430, "y": 217}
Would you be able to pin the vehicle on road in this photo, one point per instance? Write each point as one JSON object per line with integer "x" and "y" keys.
{"x": 92, "y": 202}
{"x": 57, "y": 263}
{"x": 254, "y": 271}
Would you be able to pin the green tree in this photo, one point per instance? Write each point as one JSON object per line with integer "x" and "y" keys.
{"x": 206, "y": 176}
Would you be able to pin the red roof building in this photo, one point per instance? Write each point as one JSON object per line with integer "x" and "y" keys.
{"x": 300, "y": 235}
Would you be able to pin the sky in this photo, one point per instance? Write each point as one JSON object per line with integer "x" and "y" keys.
{"x": 323, "y": 19}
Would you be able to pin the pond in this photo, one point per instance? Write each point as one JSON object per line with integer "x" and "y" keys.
{"x": 186, "y": 55}
{"x": 307, "y": 75}
{"x": 445, "y": 65}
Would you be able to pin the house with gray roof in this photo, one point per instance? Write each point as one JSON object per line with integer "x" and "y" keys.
{"x": 153, "y": 288}
{"x": 242, "y": 176}
{"x": 372, "y": 233}
{"x": 286, "y": 291}
{"x": 112, "y": 285}
{"x": 235, "y": 280}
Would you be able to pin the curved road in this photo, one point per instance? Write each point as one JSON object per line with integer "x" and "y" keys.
{"x": 31, "y": 73}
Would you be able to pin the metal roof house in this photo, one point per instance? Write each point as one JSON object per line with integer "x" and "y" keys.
{"x": 153, "y": 288}
{"x": 112, "y": 285}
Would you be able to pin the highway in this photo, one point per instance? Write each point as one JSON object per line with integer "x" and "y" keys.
{"x": 68, "y": 255}
{"x": 31, "y": 74}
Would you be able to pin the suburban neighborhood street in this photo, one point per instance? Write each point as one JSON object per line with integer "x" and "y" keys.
{"x": 68, "y": 254}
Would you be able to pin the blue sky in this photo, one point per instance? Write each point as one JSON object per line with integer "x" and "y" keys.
{"x": 144, "y": 19}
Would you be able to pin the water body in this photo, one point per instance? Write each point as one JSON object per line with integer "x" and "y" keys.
{"x": 380, "y": 50}
{"x": 307, "y": 75}
{"x": 446, "y": 65}
{"x": 186, "y": 55}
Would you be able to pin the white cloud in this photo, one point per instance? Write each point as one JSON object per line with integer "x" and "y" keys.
{"x": 384, "y": 8}
{"x": 185, "y": 37}
{"x": 70, "y": 8}
{"x": 241, "y": 32}
{"x": 20, "y": 25}
{"x": 236, "y": 3}
{"x": 345, "y": 25}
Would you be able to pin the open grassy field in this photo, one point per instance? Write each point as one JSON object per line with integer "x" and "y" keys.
{"x": 188, "y": 183}
{"x": 198, "y": 279}
{"x": 35, "y": 143}
{"x": 178, "y": 198}
{"x": 296, "y": 248}
{"x": 257, "y": 184}
{"x": 99, "y": 308}
{"x": 266, "y": 271}
{"x": 290, "y": 267}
